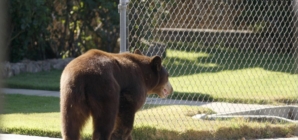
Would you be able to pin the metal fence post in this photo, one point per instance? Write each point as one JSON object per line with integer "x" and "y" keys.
{"x": 122, "y": 10}
{"x": 295, "y": 11}
{"x": 3, "y": 43}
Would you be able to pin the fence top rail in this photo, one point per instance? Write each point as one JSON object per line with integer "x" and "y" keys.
{"x": 204, "y": 30}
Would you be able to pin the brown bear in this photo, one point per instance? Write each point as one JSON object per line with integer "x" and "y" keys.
{"x": 110, "y": 88}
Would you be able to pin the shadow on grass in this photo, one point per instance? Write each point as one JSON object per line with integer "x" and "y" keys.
{"x": 220, "y": 59}
{"x": 195, "y": 96}
{"x": 32, "y": 132}
{"x": 153, "y": 133}
{"x": 192, "y": 96}
{"x": 224, "y": 133}
{"x": 16, "y": 103}
{"x": 46, "y": 80}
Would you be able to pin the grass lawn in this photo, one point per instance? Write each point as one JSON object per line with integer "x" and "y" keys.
{"x": 210, "y": 75}
{"x": 42, "y": 80}
{"x": 34, "y": 115}
{"x": 233, "y": 76}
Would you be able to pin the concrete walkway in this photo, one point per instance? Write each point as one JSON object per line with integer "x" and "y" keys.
{"x": 219, "y": 107}
{"x": 31, "y": 92}
{"x": 23, "y": 137}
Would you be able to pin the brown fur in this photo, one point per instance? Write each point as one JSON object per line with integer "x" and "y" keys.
{"x": 110, "y": 88}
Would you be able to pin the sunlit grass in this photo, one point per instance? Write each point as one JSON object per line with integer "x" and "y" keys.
{"x": 261, "y": 85}
{"x": 224, "y": 80}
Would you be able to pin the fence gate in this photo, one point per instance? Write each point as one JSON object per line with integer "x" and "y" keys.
{"x": 233, "y": 67}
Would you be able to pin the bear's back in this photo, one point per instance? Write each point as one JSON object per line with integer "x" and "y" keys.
{"x": 103, "y": 65}
{"x": 90, "y": 61}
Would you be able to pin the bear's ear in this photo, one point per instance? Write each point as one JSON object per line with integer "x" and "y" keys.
{"x": 137, "y": 51}
{"x": 156, "y": 63}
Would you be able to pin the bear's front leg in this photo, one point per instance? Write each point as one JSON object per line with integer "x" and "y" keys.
{"x": 125, "y": 120}
{"x": 124, "y": 126}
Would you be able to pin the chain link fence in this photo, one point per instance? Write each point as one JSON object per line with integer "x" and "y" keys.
{"x": 233, "y": 63}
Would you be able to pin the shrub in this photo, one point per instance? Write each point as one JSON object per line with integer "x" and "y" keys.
{"x": 43, "y": 29}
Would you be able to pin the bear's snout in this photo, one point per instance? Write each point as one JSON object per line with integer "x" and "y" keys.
{"x": 167, "y": 90}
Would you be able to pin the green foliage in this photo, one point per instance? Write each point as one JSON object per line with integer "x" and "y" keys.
{"x": 28, "y": 29}
{"x": 80, "y": 25}
{"x": 43, "y": 29}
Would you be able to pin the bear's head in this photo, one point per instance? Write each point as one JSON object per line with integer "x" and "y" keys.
{"x": 163, "y": 87}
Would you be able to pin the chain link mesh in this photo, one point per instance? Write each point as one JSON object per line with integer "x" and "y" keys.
{"x": 226, "y": 58}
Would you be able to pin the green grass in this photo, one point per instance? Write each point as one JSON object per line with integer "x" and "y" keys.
{"x": 42, "y": 80}
{"x": 213, "y": 74}
{"x": 233, "y": 76}
{"x": 34, "y": 115}
{"x": 21, "y": 104}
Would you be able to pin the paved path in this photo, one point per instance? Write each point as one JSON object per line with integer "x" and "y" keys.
{"x": 23, "y": 137}
{"x": 219, "y": 107}
{"x": 31, "y": 92}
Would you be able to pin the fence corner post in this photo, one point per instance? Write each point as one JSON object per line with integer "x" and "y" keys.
{"x": 122, "y": 11}
{"x": 295, "y": 11}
